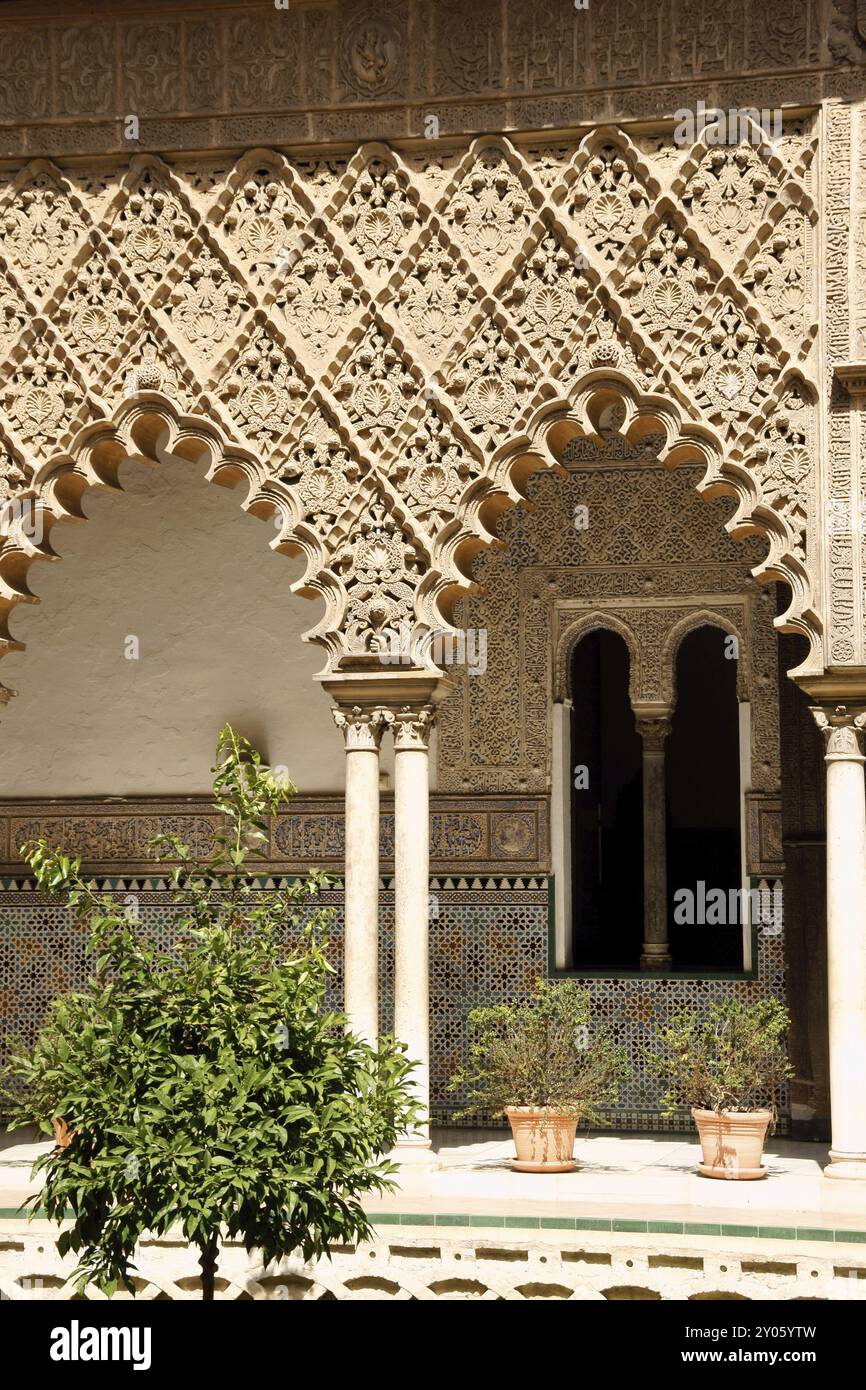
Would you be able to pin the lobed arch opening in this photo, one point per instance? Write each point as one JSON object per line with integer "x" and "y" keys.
{"x": 600, "y": 397}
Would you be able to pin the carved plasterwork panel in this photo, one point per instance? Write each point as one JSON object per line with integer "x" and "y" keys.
{"x": 377, "y": 341}
{"x": 618, "y": 542}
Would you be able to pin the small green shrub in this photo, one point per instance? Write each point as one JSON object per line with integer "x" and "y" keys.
{"x": 207, "y": 1088}
{"x": 733, "y": 1059}
{"x": 541, "y": 1054}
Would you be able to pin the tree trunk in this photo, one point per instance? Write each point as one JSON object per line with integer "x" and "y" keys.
{"x": 208, "y": 1265}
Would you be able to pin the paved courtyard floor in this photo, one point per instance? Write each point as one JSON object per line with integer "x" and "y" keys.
{"x": 630, "y": 1177}
{"x": 620, "y": 1177}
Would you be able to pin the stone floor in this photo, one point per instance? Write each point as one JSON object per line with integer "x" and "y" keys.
{"x": 629, "y": 1175}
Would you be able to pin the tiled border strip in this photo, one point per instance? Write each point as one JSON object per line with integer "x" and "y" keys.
{"x": 611, "y": 1224}
{"x": 614, "y": 1225}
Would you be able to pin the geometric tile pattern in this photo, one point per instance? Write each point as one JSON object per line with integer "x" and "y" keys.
{"x": 486, "y": 946}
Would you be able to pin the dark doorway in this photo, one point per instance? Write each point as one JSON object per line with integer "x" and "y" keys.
{"x": 607, "y": 808}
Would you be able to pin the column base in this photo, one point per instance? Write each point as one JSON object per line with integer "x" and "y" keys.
{"x": 846, "y": 1166}
{"x": 414, "y": 1153}
{"x": 655, "y": 958}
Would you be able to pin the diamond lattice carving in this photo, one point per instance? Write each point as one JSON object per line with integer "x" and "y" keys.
{"x": 378, "y": 214}
{"x": 379, "y": 341}
{"x": 492, "y": 381}
{"x": 320, "y": 469}
{"x": 42, "y": 225}
{"x": 264, "y": 390}
{"x": 319, "y": 299}
{"x": 729, "y": 194}
{"x": 608, "y": 201}
{"x": 375, "y": 386}
{"x": 490, "y": 211}
{"x": 152, "y": 224}
{"x": 261, "y": 219}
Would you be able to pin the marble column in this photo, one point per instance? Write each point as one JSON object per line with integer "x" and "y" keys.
{"x": 846, "y": 935}
{"x": 655, "y": 953}
{"x": 412, "y": 726}
{"x": 362, "y": 733}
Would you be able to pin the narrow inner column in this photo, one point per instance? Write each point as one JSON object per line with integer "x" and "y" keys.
{"x": 362, "y": 732}
{"x": 412, "y": 728}
{"x": 655, "y": 952}
{"x": 846, "y": 937}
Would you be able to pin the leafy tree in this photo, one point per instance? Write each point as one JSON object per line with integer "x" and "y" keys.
{"x": 733, "y": 1059}
{"x": 541, "y": 1054}
{"x": 207, "y": 1087}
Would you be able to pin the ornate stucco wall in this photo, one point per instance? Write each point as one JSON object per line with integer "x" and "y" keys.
{"x": 373, "y": 262}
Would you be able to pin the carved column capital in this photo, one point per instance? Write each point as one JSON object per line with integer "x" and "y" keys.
{"x": 653, "y": 731}
{"x": 842, "y": 727}
{"x": 412, "y": 725}
{"x": 361, "y": 728}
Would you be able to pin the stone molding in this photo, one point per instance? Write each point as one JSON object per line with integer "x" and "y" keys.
{"x": 454, "y": 1261}
{"x": 473, "y": 835}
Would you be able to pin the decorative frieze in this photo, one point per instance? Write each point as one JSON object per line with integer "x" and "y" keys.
{"x": 477, "y": 835}
{"x": 379, "y": 69}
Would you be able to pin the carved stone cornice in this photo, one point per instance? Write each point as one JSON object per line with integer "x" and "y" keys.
{"x": 198, "y": 73}
{"x": 842, "y": 728}
{"x": 852, "y": 376}
{"x": 361, "y": 728}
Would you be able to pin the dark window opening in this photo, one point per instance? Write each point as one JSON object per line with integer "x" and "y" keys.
{"x": 607, "y": 808}
{"x": 702, "y": 773}
{"x": 702, "y": 776}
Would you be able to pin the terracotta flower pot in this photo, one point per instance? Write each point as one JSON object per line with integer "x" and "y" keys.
{"x": 543, "y": 1138}
{"x": 732, "y": 1143}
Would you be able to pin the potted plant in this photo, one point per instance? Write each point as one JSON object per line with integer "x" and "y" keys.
{"x": 207, "y": 1088}
{"x": 729, "y": 1067}
{"x": 537, "y": 1063}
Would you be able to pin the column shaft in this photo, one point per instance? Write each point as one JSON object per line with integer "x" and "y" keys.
{"x": 846, "y": 938}
{"x": 411, "y": 903}
{"x": 655, "y": 954}
{"x": 362, "y": 733}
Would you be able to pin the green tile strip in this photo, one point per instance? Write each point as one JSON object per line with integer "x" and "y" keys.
{"x": 611, "y": 1224}
{"x": 582, "y": 1223}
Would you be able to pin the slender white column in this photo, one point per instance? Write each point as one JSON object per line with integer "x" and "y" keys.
{"x": 846, "y": 936}
{"x": 362, "y": 732}
{"x": 656, "y": 954}
{"x": 412, "y": 727}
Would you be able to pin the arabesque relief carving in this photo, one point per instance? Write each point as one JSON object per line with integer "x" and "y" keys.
{"x": 381, "y": 346}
